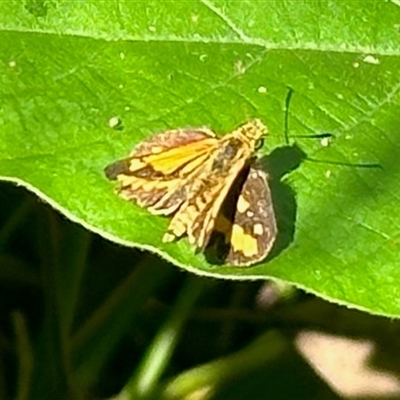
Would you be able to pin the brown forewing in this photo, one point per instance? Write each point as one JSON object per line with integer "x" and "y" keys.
{"x": 245, "y": 229}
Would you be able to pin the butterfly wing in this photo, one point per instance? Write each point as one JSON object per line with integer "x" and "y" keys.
{"x": 245, "y": 230}
{"x": 158, "y": 170}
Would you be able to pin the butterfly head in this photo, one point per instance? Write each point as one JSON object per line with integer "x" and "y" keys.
{"x": 253, "y": 132}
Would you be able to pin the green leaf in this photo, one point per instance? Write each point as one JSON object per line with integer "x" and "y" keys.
{"x": 69, "y": 68}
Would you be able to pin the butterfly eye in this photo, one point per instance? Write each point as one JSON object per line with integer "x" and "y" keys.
{"x": 259, "y": 144}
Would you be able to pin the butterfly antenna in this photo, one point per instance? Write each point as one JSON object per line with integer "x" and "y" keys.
{"x": 317, "y": 136}
{"x": 286, "y": 122}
